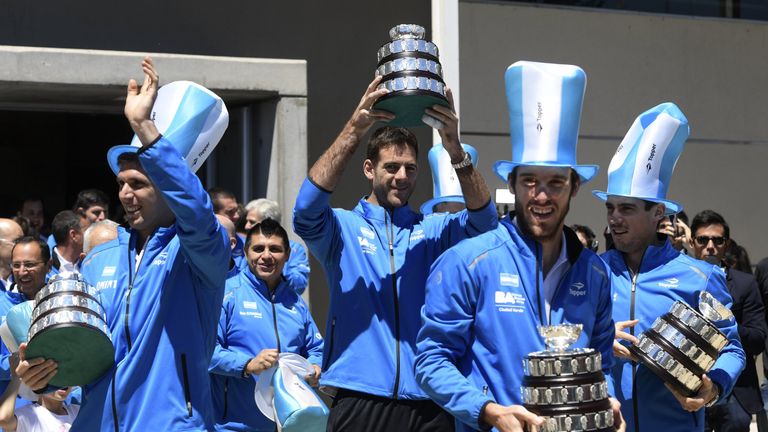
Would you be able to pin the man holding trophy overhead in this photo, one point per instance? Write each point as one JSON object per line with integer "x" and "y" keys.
{"x": 648, "y": 275}
{"x": 488, "y": 297}
{"x": 376, "y": 258}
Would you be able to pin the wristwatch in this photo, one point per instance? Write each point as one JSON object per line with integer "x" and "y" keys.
{"x": 467, "y": 161}
{"x": 717, "y": 396}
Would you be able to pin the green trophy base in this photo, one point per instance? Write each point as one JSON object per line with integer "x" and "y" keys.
{"x": 409, "y": 105}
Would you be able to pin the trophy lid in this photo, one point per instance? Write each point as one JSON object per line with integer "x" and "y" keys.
{"x": 712, "y": 309}
{"x": 407, "y": 31}
{"x": 560, "y": 337}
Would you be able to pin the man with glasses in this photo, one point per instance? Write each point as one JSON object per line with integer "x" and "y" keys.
{"x": 711, "y": 236}
{"x": 10, "y": 231}
{"x": 31, "y": 262}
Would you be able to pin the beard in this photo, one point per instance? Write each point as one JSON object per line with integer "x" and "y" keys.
{"x": 541, "y": 232}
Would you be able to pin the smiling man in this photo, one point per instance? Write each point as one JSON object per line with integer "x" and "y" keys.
{"x": 376, "y": 258}
{"x": 487, "y": 296}
{"x": 648, "y": 275}
{"x": 710, "y": 239}
{"x": 169, "y": 269}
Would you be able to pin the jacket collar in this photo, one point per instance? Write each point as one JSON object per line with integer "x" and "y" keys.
{"x": 572, "y": 244}
{"x": 401, "y": 216}
{"x": 654, "y": 256}
{"x": 261, "y": 287}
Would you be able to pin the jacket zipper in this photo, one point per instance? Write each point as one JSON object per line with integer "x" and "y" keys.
{"x": 538, "y": 288}
{"x": 274, "y": 320}
{"x": 392, "y": 272}
{"x": 114, "y": 401}
{"x": 330, "y": 345}
{"x": 185, "y": 376}
{"x": 226, "y": 398}
{"x": 126, "y": 328}
{"x": 634, "y": 364}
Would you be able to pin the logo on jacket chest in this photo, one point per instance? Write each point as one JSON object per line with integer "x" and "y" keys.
{"x": 669, "y": 283}
{"x": 250, "y": 309}
{"x": 577, "y": 289}
{"x": 160, "y": 259}
{"x": 366, "y": 246}
{"x": 417, "y": 235}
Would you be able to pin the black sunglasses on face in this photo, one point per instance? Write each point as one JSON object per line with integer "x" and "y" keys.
{"x": 704, "y": 240}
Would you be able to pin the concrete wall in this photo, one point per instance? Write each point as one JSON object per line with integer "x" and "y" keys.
{"x": 338, "y": 39}
{"x": 714, "y": 69}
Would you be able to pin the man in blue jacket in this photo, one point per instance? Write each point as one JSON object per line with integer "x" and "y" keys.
{"x": 487, "y": 296}
{"x": 262, "y": 316}
{"x": 648, "y": 275}
{"x": 170, "y": 277}
{"x": 376, "y": 258}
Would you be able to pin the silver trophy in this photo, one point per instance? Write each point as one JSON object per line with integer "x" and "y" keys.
{"x": 411, "y": 71}
{"x": 68, "y": 325}
{"x": 683, "y": 344}
{"x": 566, "y": 385}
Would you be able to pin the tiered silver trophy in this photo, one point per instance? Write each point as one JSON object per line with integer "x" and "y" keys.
{"x": 411, "y": 71}
{"x": 566, "y": 385}
{"x": 68, "y": 325}
{"x": 683, "y": 344}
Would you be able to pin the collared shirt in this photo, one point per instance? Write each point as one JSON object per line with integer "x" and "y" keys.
{"x": 64, "y": 265}
{"x": 556, "y": 273}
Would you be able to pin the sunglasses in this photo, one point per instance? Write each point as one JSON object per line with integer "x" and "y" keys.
{"x": 704, "y": 240}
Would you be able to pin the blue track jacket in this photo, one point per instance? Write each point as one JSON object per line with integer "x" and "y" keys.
{"x": 162, "y": 316}
{"x": 665, "y": 276}
{"x": 252, "y": 320}
{"x": 376, "y": 262}
{"x": 484, "y": 303}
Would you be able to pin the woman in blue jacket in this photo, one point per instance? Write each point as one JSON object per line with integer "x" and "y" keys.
{"x": 260, "y": 318}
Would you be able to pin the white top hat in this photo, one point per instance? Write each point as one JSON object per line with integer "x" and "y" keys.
{"x": 544, "y": 102}
{"x": 643, "y": 164}
{"x": 445, "y": 182}
{"x": 190, "y": 116}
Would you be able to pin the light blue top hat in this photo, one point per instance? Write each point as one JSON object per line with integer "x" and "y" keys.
{"x": 643, "y": 164}
{"x": 190, "y": 116}
{"x": 544, "y": 102}
{"x": 445, "y": 182}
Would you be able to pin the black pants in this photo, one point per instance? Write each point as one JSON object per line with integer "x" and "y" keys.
{"x": 354, "y": 411}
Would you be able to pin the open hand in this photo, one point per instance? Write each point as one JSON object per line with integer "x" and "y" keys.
{"x": 620, "y": 350}
{"x": 446, "y": 121}
{"x": 139, "y": 102}
{"x": 36, "y": 373}
{"x": 706, "y": 393}
{"x": 513, "y": 418}
{"x": 365, "y": 116}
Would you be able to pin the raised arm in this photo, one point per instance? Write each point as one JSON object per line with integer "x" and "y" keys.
{"x": 327, "y": 171}
{"x": 476, "y": 194}
{"x": 203, "y": 241}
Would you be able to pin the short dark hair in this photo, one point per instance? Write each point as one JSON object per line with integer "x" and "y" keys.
{"x": 127, "y": 157}
{"x": 390, "y": 136}
{"x": 268, "y": 228}
{"x": 217, "y": 194}
{"x": 45, "y": 253}
{"x": 709, "y": 217}
{"x": 63, "y": 222}
{"x": 649, "y": 204}
{"x": 88, "y": 198}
